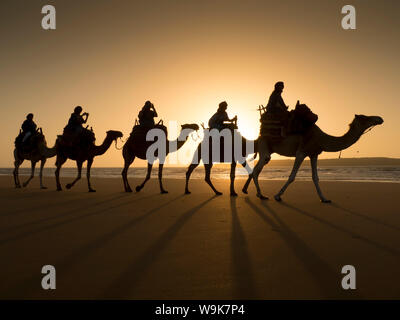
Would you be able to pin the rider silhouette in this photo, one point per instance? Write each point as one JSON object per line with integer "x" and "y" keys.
{"x": 147, "y": 115}
{"x": 76, "y": 121}
{"x": 275, "y": 102}
{"x": 217, "y": 120}
{"x": 28, "y": 127}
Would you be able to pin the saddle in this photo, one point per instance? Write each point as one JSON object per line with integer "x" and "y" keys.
{"x": 31, "y": 143}
{"x": 139, "y": 131}
{"x": 72, "y": 138}
{"x": 278, "y": 125}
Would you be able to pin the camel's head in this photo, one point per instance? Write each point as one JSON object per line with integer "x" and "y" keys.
{"x": 191, "y": 126}
{"x": 366, "y": 122}
{"x": 114, "y": 135}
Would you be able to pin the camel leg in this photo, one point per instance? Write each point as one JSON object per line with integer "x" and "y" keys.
{"x": 33, "y": 165}
{"x": 250, "y": 177}
{"x": 297, "y": 163}
{"x": 59, "y": 162}
{"x": 42, "y": 163}
{"x": 314, "y": 168}
{"x": 264, "y": 159}
{"x": 79, "y": 166}
{"x": 191, "y": 168}
{"x": 160, "y": 169}
{"x": 149, "y": 167}
{"x": 17, "y": 163}
{"x": 128, "y": 159}
{"x": 208, "y": 167}
{"x": 88, "y": 168}
{"x": 232, "y": 177}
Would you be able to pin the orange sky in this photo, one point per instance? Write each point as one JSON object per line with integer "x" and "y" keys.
{"x": 187, "y": 56}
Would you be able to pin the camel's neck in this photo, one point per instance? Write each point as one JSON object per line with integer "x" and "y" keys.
{"x": 334, "y": 144}
{"x": 175, "y": 145}
{"x": 101, "y": 149}
{"x": 47, "y": 152}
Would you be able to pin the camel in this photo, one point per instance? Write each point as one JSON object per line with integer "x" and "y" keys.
{"x": 81, "y": 154}
{"x": 209, "y": 161}
{"x": 40, "y": 153}
{"x": 138, "y": 146}
{"x": 311, "y": 144}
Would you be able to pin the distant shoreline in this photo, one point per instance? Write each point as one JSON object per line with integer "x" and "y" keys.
{"x": 342, "y": 162}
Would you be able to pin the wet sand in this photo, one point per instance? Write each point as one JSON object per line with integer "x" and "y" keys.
{"x": 115, "y": 245}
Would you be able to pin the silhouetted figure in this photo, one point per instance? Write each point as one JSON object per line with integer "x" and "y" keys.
{"x": 74, "y": 132}
{"x": 218, "y": 119}
{"x": 76, "y": 121}
{"x": 28, "y": 128}
{"x": 275, "y": 102}
{"x": 147, "y": 115}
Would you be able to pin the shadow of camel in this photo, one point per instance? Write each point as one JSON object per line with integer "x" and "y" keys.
{"x": 73, "y": 219}
{"x": 84, "y": 251}
{"x": 327, "y": 279}
{"x": 90, "y": 203}
{"x": 125, "y": 283}
{"x": 341, "y": 229}
{"x": 244, "y": 283}
{"x": 365, "y": 217}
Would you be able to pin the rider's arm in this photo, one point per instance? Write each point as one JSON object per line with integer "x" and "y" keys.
{"x": 87, "y": 116}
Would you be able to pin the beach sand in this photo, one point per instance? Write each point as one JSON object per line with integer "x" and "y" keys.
{"x": 115, "y": 245}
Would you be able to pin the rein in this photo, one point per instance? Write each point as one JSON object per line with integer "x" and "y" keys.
{"x": 116, "y": 140}
{"x": 368, "y": 130}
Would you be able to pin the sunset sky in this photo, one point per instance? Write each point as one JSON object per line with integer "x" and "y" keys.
{"x": 186, "y": 56}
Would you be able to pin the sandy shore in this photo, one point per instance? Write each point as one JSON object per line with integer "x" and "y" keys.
{"x": 150, "y": 246}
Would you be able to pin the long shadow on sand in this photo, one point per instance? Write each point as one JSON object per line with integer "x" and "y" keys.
{"x": 341, "y": 229}
{"x": 22, "y": 209}
{"x": 327, "y": 279}
{"x": 89, "y": 203}
{"x": 75, "y": 218}
{"x": 125, "y": 283}
{"x": 84, "y": 251}
{"x": 365, "y": 217}
{"x": 244, "y": 284}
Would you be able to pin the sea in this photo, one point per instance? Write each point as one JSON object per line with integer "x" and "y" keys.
{"x": 326, "y": 173}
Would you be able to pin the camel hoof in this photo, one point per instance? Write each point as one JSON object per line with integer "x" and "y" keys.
{"x": 138, "y": 188}
{"x": 69, "y": 186}
{"x": 278, "y": 198}
{"x": 92, "y": 190}
{"x": 244, "y": 191}
{"x": 164, "y": 191}
{"x": 43, "y": 188}
{"x": 262, "y": 197}
{"x": 217, "y": 193}
{"x": 234, "y": 194}
{"x": 18, "y": 186}
{"x": 128, "y": 190}
{"x": 326, "y": 201}
{"x": 59, "y": 189}
{"x": 187, "y": 192}
{"x": 24, "y": 185}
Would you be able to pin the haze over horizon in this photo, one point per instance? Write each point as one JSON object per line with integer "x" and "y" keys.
{"x": 187, "y": 56}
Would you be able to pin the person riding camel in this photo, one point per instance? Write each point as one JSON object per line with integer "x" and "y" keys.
{"x": 76, "y": 121}
{"x": 275, "y": 102}
{"x": 147, "y": 115}
{"x": 28, "y": 128}
{"x": 218, "y": 119}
